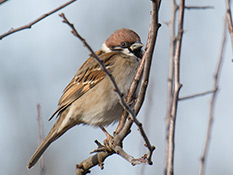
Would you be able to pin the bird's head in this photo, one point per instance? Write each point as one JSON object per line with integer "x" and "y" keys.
{"x": 124, "y": 40}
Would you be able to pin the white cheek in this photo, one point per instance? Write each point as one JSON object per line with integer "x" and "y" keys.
{"x": 127, "y": 52}
{"x": 104, "y": 48}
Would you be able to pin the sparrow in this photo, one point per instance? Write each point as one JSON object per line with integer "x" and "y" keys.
{"x": 90, "y": 97}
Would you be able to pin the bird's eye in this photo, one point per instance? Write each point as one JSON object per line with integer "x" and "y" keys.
{"x": 123, "y": 44}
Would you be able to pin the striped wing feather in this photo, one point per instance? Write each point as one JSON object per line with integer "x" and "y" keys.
{"x": 88, "y": 75}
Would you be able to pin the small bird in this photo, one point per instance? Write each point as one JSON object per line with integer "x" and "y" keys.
{"x": 90, "y": 98}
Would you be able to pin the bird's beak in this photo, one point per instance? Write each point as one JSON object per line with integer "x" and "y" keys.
{"x": 136, "y": 46}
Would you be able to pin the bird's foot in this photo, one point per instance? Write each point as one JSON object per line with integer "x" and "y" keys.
{"x": 109, "y": 140}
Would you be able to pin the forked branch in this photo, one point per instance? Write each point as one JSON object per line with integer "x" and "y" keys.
{"x": 29, "y": 25}
{"x": 175, "y": 94}
{"x": 212, "y": 104}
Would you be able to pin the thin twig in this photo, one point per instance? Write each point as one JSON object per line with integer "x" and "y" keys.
{"x": 196, "y": 95}
{"x": 198, "y": 7}
{"x": 40, "y": 138}
{"x": 229, "y": 20}
{"x": 147, "y": 116}
{"x": 212, "y": 104}
{"x": 97, "y": 159}
{"x": 29, "y": 25}
{"x": 176, "y": 90}
{"x": 128, "y": 157}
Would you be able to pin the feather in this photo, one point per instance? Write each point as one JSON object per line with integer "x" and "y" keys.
{"x": 88, "y": 75}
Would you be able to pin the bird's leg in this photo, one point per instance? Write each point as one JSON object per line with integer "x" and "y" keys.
{"x": 108, "y": 140}
{"x": 106, "y": 133}
{"x": 121, "y": 122}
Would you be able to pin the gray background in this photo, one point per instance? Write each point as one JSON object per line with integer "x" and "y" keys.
{"x": 37, "y": 64}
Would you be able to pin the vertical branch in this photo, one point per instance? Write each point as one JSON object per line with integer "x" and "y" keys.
{"x": 229, "y": 21}
{"x": 152, "y": 35}
{"x": 150, "y": 43}
{"x": 147, "y": 116}
{"x": 212, "y": 104}
{"x": 176, "y": 90}
{"x": 145, "y": 64}
{"x": 170, "y": 76}
{"x": 40, "y": 137}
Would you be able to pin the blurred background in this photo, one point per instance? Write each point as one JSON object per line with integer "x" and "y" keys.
{"x": 37, "y": 64}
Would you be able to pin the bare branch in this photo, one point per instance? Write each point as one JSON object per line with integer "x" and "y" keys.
{"x": 212, "y": 104}
{"x": 29, "y": 25}
{"x": 170, "y": 83}
{"x": 197, "y": 95}
{"x": 152, "y": 35}
{"x": 176, "y": 90}
{"x": 97, "y": 159}
{"x": 229, "y": 20}
{"x": 131, "y": 93}
{"x": 130, "y": 158}
{"x": 146, "y": 118}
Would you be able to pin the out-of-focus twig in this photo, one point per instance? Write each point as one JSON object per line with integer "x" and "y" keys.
{"x": 29, "y": 25}
{"x": 199, "y": 7}
{"x": 40, "y": 137}
{"x": 196, "y": 95}
{"x": 229, "y": 21}
{"x": 170, "y": 84}
{"x": 176, "y": 90}
{"x": 212, "y": 104}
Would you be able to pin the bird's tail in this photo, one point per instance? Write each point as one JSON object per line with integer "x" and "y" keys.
{"x": 58, "y": 129}
{"x": 43, "y": 146}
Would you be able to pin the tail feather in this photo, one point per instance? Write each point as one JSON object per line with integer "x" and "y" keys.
{"x": 58, "y": 129}
{"x": 40, "y": 150}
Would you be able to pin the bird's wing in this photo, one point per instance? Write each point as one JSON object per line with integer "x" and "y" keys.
{"x": 88, "y": 75}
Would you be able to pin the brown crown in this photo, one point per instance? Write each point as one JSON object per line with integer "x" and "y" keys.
{"x": 122, "y": 35}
